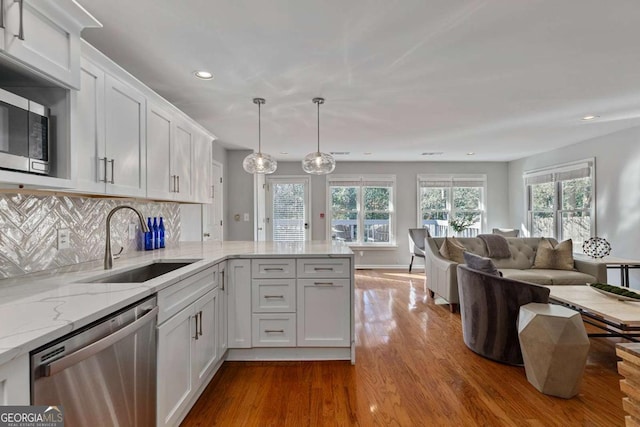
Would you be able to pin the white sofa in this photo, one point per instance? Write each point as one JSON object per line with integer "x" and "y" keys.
{"x": 441, "y": 278}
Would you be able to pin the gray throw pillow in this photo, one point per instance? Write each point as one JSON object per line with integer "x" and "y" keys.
{"x": 477, "y": 262}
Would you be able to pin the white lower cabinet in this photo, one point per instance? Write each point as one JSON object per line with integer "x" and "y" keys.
{"x": 223, "y": 293}
{"x": 14, "y": 381}
{"x": 324, "y": 307}
{"x": 187, "y": 351}
{"x": 238, "y": 275}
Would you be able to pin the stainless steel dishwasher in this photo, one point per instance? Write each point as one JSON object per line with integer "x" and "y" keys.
{"x": 103, "y": 374}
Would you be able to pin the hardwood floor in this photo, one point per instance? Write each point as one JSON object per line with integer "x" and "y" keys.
{"x": 412, "y": 369}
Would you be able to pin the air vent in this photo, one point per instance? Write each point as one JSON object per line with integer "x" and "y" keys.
{"x": 433, "y": 153}
{"x": 340, "y": 153}
{"x": 52, "y": 354}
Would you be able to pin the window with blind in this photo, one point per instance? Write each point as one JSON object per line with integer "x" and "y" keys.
{"x": 361, "y": 209}
{"x": 451, "y": 204}
{"x": 560, "y": 202}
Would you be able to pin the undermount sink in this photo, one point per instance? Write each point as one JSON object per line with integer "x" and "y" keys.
{"x": 142, "y": 274}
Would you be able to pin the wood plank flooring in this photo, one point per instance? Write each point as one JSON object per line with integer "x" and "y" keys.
{"x": 412, "y": 369}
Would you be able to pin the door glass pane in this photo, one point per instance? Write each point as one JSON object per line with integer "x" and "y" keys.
{"x": 344, "y": 213}
{"x": 288, "y": 212}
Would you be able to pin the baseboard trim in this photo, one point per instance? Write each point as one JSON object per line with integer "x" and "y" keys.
{"x": 388, "y": 267}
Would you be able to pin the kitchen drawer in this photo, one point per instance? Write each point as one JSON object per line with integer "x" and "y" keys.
{"x": 324, "y": 267}
{"x": 273, "y": 268}
{"x": 274, "y": 330}
{"x": 176, "y": 297}
{"x": 273, "y": 295}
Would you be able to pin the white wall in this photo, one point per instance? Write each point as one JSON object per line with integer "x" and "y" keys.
{"x": 238, "y": 197}
{"x": 406, "y": 199}
{"x": 617, "y": 160}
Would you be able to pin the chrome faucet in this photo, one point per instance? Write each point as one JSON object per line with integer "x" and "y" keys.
{"x": 108, "y": 257}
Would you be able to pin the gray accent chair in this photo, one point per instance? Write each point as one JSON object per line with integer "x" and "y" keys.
{"x": 416, "y": 243}
{"x": 489, "y": 307}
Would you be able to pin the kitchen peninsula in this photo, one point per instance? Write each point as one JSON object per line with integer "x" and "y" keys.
{"x": 272, "y": 301}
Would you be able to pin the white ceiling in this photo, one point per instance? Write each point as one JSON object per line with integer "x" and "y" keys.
{"x": 501, "y": 78}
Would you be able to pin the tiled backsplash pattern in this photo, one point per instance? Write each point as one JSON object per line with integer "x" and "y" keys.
{"x": 29, "y": 224}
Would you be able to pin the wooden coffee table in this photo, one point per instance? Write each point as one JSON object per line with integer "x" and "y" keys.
{"x": 615, "y": 317}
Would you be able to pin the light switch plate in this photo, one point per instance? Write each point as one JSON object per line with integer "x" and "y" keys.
{"x": 64, "y": 238}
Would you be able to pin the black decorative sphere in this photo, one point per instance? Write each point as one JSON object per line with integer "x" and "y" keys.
{"x": 596, "y": 247}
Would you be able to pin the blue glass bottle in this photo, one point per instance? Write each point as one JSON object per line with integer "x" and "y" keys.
{"x": 161, "y": 232}
{"x": 156, "y": 234}
{"x": 148, "y": 236}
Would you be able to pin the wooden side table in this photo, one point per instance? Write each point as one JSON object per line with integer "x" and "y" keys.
{"x": 554, "y": 346}
{"x": 629, "y": 368}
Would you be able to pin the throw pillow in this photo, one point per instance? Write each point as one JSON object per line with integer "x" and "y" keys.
{"x": 480, "y": 263}
{"x": 506, "y": 232}
{"x": 558, "y": 258}
{"x": 452, "y": 250}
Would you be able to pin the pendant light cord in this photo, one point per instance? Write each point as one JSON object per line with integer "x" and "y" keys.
{"x": 259, "y": 131}
{"x": 318, "y": 104}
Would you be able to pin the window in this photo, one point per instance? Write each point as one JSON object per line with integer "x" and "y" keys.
{"x": 560, "y": 202}
{"x": 361, "y": 209}
{"x": 451, "y": 204}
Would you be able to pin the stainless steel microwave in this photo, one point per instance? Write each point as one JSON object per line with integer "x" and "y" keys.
{"x": 24, "y": 134}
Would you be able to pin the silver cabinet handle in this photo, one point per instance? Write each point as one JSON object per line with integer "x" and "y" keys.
{"x": 274, "y": 269}
{"x": 213, "y": 191}
{"x": 200, "y": 321}
{"x": 178, "y": 176}
{"x": 222, "y": 273}
{"x": 1, "y": 13}
{"x": 323, "y": 269}
{"x": 113, "y": 178}
{"x": 274, "y": 331}
{"x": 274, "y": 296}
{"x": 21, "y": 29}
{"x": 104, "y": 159}
{"x": 196, "y": 319}
{"x": 207, "y": 234}
{"x": 323, "y": 283}
{"x": 95, "y": 348}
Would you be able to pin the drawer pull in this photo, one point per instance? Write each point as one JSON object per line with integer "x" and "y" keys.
{"x": 274, "y": 331}
{"x": 274, "y": 269}
{"x": 274, "y": 296}
{"x": 323, "y": 268}
{"x": 323, "y": 283}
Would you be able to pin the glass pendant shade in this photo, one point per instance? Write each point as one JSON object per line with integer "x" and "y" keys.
{"x": 259, "y": 162}
{"x": 318, "y": 163}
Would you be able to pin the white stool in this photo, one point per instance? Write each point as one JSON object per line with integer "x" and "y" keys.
{"x": 554, "y": 348}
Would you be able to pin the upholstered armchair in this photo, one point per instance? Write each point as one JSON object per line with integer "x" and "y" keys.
{"x": 416, "y": 243}
{"x": 489, "y": 307}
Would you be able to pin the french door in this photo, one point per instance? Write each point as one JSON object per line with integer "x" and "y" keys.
{"x": 287, "y": 209}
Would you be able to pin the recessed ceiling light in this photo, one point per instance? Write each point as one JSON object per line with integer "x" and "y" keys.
{"x": 340, "y": 153}
{"x": 367, "y": 153}
{"x": 590, "y": 117}
{"x": 284, "y": 152}
{"x": 471, "y": 153}
{"x": 203, "y": 75}
{"x": 432, "y": 153}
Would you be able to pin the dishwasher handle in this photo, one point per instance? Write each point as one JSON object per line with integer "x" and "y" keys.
{"x": 96, "y": 347}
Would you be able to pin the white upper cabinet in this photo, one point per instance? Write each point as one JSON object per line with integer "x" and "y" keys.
{"x": 111, "y": 135}
{"x": 201, "y": 173}
{"x": 44, "y": 35}
{"x": 160, "y": 124}
{"x": 182, "y": 162}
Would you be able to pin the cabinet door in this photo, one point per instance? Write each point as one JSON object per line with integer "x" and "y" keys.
{"x": 14, "y": 382}
{"x": 201, "y": 172}
{"x": 176, "y": 346}
{"x": 125, "y": 139}
{"x": 89, "y": 127}
{"x": 181, "y": 158}
{"x": 206, "y": 356}
{"x": 324, "y": 313}
{"x": 159, "y": 140}
{"x": 223, "y": 292}
{"x": 51, "y": 41}
{"x": 239, "y": 303}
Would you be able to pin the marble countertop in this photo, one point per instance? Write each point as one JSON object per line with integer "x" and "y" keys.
{"x": 41, "y": 307}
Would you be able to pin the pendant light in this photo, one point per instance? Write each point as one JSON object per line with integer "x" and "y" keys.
{"x": 259, "y": 162}
{"x": 318, "y": 163}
